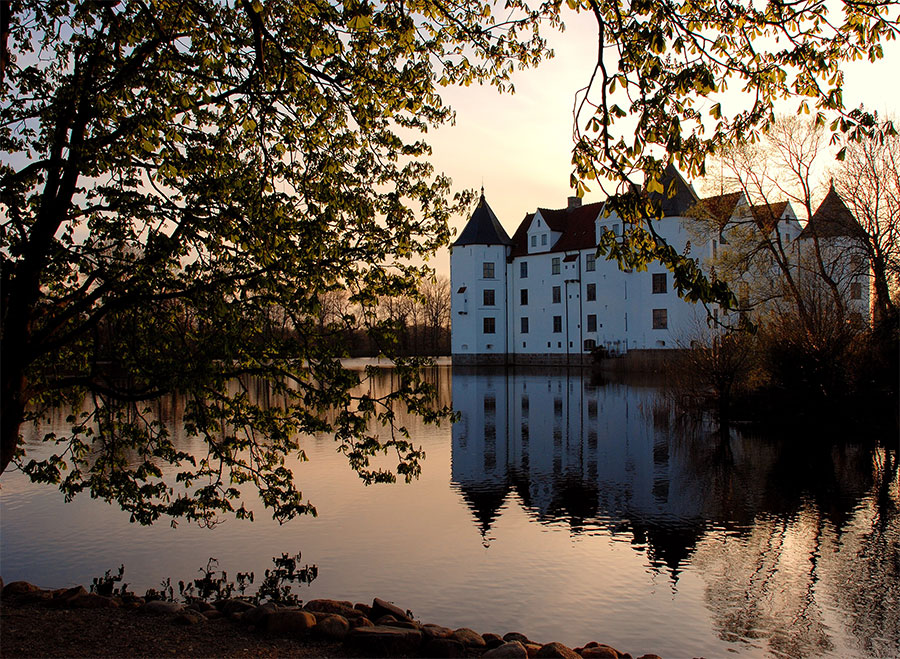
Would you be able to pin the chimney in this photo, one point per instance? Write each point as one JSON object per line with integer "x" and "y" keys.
{"x": 574, "y": 202}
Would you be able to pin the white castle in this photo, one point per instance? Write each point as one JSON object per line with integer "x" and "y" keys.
{"x": 543, "y": 296}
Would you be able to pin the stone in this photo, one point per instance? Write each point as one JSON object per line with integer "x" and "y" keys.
{"x": 63, "y": 595}
{"x": 385, "y": 620}
{"x": 532, "y": 649}
{"x": 256, "y": 616}
{"x": 383, "y": 608}
{"x": 24, "y": 592}
{"x": 468, "y": 637}
{"x": 132, "y": 601}
{"x": 189, "y": 617}
{"x": 333, "y": 627}
{"x": 516, "y": 636}
{"x": 650, "y": 656}
{"x": 380, "y": 641}
{"x": 213, "y": 614}
{"x": 289, "y": 622}
{"x": 403, "y": 623}
{"x": 18, "y": 588}
{"x": 92, "y": 601}
{"x": 599, "y": 651}
{"x": 231, "y": 606}
{"x": 161, "y": 607}
{"x": 492, "y": 641}
{"x": 333, "y": 607}
{"x": 557, "y": 651}
{"x": 443, "y": 647}
{"x": 365, "y": 609}
{"x": 361, "y": 622}
{"x": 509, "y": 650}
{"x": 436, "y": 631}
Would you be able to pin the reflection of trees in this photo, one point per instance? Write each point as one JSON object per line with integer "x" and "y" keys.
{"x": 866, "y": 563}
{"x": 839, "y": 543}
{"x": 168, "y": 412}
{"x": 761, "y": 587}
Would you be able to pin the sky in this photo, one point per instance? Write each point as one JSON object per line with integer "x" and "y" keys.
{"x": 518, "y": 146}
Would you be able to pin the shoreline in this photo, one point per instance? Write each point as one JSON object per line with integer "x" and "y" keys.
{"x": 67, "y": 622}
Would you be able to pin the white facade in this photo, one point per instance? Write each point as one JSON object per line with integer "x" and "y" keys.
{"x": 543, "y": 295}
{"x": 552, "y": 304}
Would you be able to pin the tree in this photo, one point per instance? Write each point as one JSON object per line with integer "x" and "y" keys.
{"x": 799, "y": 285}
{"x": 657, "y": 97}
{"x": 436, "y": 305}
{"x": 761, "y": 254}
{"x": 184, "y": 187}
{"x": 868, "y": 180}
{"x": 181, "y": 175}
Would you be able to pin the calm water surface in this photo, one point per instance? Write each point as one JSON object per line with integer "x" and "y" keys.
{"x": 565, "y": 508}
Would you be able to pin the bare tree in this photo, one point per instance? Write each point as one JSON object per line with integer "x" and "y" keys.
{"x": 782, "y": 166}
{"x": 868, "y": 180}
{"x": 436, "y": 306}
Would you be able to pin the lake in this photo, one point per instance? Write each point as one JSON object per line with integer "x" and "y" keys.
{"x": 558, "y": 505}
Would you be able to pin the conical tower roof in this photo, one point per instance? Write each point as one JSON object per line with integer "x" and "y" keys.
{"x": 832, "y": 219}
{"x": 684, "y": 197}
{"x": 483, "y": 228}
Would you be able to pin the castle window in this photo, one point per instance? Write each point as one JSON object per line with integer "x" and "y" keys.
{"x": 659, "y": 282}
{"x": 856, "y": 291}
{"x": 590, "y": 262}
{"x": 543, "y": 239}
{"x": 557, "y": 295}
{"x": 660, "y": 319}
{"x": 490, "y": 405}
{"x": 489, "y": 297}
{"x": 523, "y": 269}
{"x": 523, "y": 296}
{"x": 592, "y": 322}
{"x": 591, "y": 292}
{"x": 524, "y": 325}
{"x": 487, "y": 269}
{"x": 557, "y": 324}
{"x": 489, "y": 326}
{"x": 534, "y": 241}
{"x": 554, "y": 266}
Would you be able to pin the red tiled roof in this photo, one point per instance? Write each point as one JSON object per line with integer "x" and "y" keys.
{"x": 576, "y": 225}
{"x": 719, "y": 208}
{"x": 768, "y": 214}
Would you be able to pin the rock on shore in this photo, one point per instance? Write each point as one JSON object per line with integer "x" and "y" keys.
{"x": 381, "y": 629}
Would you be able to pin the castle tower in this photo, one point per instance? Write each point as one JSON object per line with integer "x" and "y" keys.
{"x": 479, "y": 287}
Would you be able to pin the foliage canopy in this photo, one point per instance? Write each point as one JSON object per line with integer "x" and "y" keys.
{"x": 659, "y": 94}
{"x": 183, "y": 183}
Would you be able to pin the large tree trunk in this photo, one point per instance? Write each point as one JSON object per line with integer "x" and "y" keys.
{"x": 12, "y": 405}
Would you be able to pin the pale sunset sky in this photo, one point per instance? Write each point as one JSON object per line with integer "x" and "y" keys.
{"x": 519, "y": 146}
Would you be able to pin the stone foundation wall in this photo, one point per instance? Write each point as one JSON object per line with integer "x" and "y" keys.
{"x": 534, "y": 359}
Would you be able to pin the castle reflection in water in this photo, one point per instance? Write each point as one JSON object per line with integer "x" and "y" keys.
{"x": 615, "y": 458}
